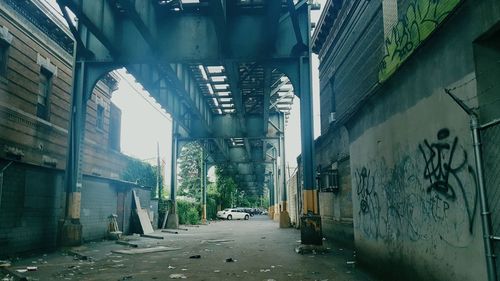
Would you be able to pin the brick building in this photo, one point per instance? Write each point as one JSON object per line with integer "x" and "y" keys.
{"x": 36, "y": 57}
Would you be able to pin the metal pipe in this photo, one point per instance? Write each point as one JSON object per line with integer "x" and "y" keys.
{"x": 483, "y": 202}
{"x": 485, "y": 213}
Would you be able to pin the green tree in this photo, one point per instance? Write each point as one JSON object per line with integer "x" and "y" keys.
{"x": 141, "y": 173}
{"x": 226, "y": 186}
{"x": 189, "y": 171}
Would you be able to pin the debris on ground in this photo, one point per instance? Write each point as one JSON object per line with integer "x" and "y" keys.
{"x": 126, "y": 278}
{"x": 265, "y": 270}
{"x": 230, "y": 260}
{"x": 152, "y": 236}
{"x": 217, "y": 240}
{"x": 127, "y": 244}
{"x": 216, "y": 271}
{"x": 145, "y": 250}
{"x": 4, "y": 263}
{"x": 170, "y": 231}
{"x": 171, "y": 267}
{"x": 195, "y": 257}
{"x": 32, "y": 268}
{"x": 177, "y": 276}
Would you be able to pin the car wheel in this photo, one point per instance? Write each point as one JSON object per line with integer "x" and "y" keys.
{"x": 247, "y": 217}
{"x": 229, "y": 217}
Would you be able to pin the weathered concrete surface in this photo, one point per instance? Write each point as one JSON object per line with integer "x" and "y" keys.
{"x": 259, "y": 248}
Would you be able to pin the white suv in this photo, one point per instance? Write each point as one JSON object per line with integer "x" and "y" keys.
{"x": 230, "y": 214}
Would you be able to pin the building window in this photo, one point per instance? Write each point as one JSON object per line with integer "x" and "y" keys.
{"x": 4, "y": 56}
{"x": 100, "y": 117}
{"x": 5, "y": 41}
{"x": 328, "y": 180}
{"x": 44, "y": 90}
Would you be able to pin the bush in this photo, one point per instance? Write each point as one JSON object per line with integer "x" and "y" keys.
{"x": 189, "y": 213}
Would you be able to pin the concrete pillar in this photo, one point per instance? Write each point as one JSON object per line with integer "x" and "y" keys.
{"x": 284, "y": 216}
{"x": 173, "y": 217}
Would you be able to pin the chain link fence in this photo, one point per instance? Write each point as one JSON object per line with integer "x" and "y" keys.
{"x": 491, "y": 157}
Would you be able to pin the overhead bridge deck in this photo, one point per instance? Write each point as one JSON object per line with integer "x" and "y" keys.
{"x": 226, "y": 70}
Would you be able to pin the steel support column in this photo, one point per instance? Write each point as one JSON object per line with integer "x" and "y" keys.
{"x": 284, "y": 216}
{"x": 203, "y": 180}
{"x": 271, "y": 194}
{"x": 173, "y": 217}
{"x": 311, "y": 232}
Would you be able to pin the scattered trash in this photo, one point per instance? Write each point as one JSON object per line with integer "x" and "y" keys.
{"x": 177, "y": 276}
{"x": 184, "y": 269}
{"x": 216, "y": 271}
{"x": 272, "y": 266}
{"x": 127, "y": 244}
{"x": 126, "y": 278}
{"x": 217, "y": 240}
{"x": 23, "y": 270}
{"x": 230, "y": 260}
{"x": 145, "y": 250}
{"x": 32, "y": 268}
{"x": 270, "y": 280}
{"x": 4, "y": 263}
{"x": 171, "y": 267}
{"x": 263, "y": 237}
{"x": 265, "y": 270}
{"x": 245, "y": 271}
{"x": 351, "y": 262}
{"x": 170, "y": 231}
{"x": 152, "y": 236}
{"x": 195, "y": 257}
{"x": 324, "y": 238}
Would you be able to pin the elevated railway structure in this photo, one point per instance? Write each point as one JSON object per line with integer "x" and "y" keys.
{"x": 226, "y": 70}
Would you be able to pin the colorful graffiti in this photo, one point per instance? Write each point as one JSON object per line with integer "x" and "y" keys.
{"x": 422, "y": 17}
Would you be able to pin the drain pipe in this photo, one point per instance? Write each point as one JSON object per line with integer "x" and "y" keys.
{"x": 488, "y": 237}
{"x": 1, "y": 179}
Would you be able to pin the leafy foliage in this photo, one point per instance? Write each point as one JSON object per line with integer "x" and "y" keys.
{"x": 189, "y": 171}
{"x": 189, "y": 212}
{"x": 141, "y": 173}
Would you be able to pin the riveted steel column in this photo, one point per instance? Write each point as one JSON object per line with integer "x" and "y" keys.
{"x": 284, "y": 215}
{"x": 203, "y": 181}
{"x": 71, "y": 230}
{"x": 173, "y": 218}
{"x": 311, "y": 232}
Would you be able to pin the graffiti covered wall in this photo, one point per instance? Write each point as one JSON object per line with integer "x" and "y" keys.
{"x": 415, "y": 201}
{"x": 419, "y": 21}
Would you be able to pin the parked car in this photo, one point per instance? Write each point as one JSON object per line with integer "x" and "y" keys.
{"x": 230, "y": 214}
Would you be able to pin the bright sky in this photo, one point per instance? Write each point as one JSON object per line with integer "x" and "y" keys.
{"x": 143, "y": 125}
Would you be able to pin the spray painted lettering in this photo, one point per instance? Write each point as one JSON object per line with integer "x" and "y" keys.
{"x": 442, "y": 168}
{"x": 422, "y": 17}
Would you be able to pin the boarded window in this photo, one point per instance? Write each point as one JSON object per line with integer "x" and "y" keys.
{"x": 4, "y": 56}
{"x": 44, "y": 90}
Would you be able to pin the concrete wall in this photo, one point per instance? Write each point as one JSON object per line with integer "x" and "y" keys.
{"x": 415, "y": 206}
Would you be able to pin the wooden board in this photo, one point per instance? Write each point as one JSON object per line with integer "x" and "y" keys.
{"x": 146, "y": 226}
{"x": 145, "y": 250}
